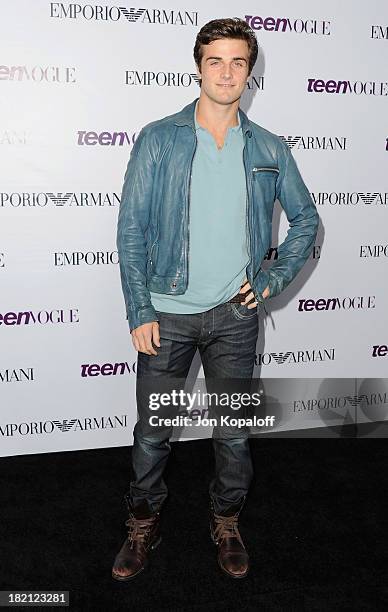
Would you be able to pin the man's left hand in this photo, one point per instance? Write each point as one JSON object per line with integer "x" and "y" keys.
{"x": 251, "y": 295}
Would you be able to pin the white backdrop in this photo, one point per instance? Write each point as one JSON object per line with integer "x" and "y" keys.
{"x": 77, "y": 83}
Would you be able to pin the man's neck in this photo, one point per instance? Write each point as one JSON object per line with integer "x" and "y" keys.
{"x": 216, "y": 117}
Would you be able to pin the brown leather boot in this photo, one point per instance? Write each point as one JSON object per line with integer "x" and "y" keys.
{"x": 143, "y": 535}
{"x": 233, "y": 558}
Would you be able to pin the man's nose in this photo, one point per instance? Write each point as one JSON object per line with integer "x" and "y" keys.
{"x": 226, "y": 72}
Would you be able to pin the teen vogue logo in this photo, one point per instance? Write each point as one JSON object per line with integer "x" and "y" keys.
{"x": 316, "y": 143}
{"x": 69, "y": 198}
{"x": 41, "y": 317}
{"x": 106, "y": 138}
{"x": 107, "y": 369}
{"x": 89, "y": 12}
{"x": 284, "y": 24}
{"x": 38, "y": 74}
{"x": 335, "y": 303}
{"x": 49, "y": 427}
{"x": 380, "y": 350}
{"x": 177, "y": 79}
{"x": 272, "y": 253}
{"x": 368, "y": 88}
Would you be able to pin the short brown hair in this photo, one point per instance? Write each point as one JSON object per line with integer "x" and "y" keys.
{"x": 226, "y": 28}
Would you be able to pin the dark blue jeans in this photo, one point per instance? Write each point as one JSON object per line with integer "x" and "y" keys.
{"x": 226, "y": 338}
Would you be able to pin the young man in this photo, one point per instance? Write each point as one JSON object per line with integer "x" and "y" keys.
{"x": 194, "y": 226}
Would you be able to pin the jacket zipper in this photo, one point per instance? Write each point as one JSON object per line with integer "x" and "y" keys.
{"x": 152, "y": 248}
{"x": 247, "y": 208}
{"x": 266, "y": 169}
{"x": 257, "y": 298}
{"x": 248, "y": 225}
{"x": 188, "y": 214}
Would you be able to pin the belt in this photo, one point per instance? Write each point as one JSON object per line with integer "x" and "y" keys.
{"x": 239, "y": 297}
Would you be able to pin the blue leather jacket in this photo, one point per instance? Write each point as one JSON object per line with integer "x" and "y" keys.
{"x": 153, "y": 237}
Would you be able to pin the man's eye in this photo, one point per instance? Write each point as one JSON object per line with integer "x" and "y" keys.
{"x": 213, "y": 63}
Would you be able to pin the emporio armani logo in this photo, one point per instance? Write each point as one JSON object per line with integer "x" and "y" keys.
{"x": 353, "y": 198}
{"x": 60, "y": 198}
{"x": 131, "y": 14}
{"x": 108, "y": 13}
{"x": 368, "y": 198}
{"x": 65, "y": 425}
{"x": 322, "y": 143}
{"x": 281, "y": 358}
{"x": 356, "y": 400}
{"x": 295, "y": 357}
{"x": 290, "y": 140}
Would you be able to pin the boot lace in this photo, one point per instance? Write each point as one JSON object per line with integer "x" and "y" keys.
{"x": 226, "y": 527}
{"x": 138, "y": 529}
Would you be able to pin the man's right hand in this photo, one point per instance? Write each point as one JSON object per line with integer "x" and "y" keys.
{"x": 144, "y": 335}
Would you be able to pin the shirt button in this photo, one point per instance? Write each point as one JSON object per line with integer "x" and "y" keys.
{"x": 173, "y": 285}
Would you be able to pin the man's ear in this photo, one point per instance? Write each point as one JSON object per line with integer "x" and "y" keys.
{"x": 199, "y": 76}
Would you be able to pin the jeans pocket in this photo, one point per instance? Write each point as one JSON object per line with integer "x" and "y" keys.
{"x": 241, "y": 312}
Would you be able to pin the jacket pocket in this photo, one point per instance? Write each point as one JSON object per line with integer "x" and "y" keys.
{"x": 265, "y": 181}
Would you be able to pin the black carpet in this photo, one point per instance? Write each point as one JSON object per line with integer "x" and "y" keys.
{"x": 313, "y": 524}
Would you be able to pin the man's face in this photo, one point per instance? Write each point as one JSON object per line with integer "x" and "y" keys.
{"x": 224, "y": 70}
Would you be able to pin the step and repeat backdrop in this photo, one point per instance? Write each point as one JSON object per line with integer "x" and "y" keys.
{"x": 77, "y": 83}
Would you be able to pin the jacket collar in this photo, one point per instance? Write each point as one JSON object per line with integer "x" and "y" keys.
{"x": 186, "y": 117}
